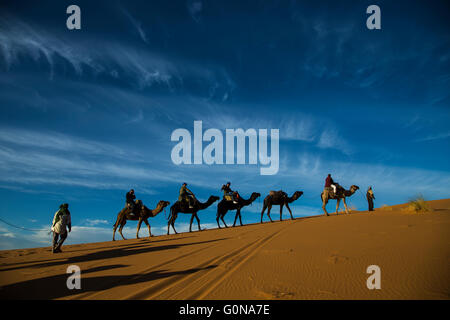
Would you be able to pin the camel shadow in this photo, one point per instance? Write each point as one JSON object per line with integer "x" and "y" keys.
{"x": 109, "y": 254}
{"x": 55, "y": 286}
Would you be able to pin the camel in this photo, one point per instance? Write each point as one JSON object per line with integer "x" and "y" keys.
{"x": 142, "y": 215}
{"x": 279, "y": 198}
{"x": 179, "y": 207}
{"x": 225, "y": 205}
{"x": 341, "y": 193}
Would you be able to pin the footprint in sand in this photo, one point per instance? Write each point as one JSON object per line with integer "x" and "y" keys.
{"x": 335, "y": 258}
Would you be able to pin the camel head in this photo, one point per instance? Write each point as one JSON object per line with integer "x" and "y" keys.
{"x": 255, "y": 195}
{"x": 353, "y": 188}
{"x": 213, "y": 199}
{"x": 163, "y": 204}
{"x": 297, "y": 194}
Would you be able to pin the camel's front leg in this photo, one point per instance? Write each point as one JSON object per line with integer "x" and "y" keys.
{"x": 138, "y": 228}
{"x": 281, "y": 212}
{"x": 345, "y": 205}
{"x": 337, "y": 205}
{"x": 190, "y": 223}
{"x": 262, "y": 212}
{"x": 287, "y": 206}
{"x": 268, "y": 212}
{"x": 149, "y": 228}
{"x": 235, "y": 217}
{"x": 324, "y": 204}
{"x": 174, "y": 217}
{"x": 198, "y": 222}
{"x": 221, "y": 217}
{"x": 168, "y": 227}
{"x": 120, "y": 230}
{"x": 217, "y": 219}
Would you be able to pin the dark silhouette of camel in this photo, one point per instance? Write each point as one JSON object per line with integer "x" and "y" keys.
{"x": 183, "y": 207}
{"x": 279, "y": 198}
{"x": 226, "y": 205}
{"x": 142, "y": 214}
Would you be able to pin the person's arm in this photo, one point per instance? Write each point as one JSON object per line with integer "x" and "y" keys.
{"x": 56, "y": 218}
{"x": 69, "y": 221}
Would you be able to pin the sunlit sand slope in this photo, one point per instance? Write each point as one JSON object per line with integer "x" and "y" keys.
{"x": 308, "y": 258}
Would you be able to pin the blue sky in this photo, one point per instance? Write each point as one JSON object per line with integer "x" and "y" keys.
{"x": 86, "y": 115}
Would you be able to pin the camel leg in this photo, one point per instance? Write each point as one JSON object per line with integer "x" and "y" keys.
{"x": 116, "y": 225}
{"x": 138, "y": 228}
{"x": 190, "y": 223}
{"x": 114, "y": 231}
{"x": 198, "y": 222}
{"x": 287, "y": 206}
{"x": 149, "y": 228}
{"x": 345, "y": 205}
{"x": 217, "y": 219}
{"x": 120, "y": 229}
{"x": 240, "y": 218}
{"x": 174, "y": 217}
{"x": 235, "y": 217}
{"x": 281, "y": 212}
{"x": 262, "y": 212}
{"x": 224, "y": 221}
{"x": 268, "y": 212}
{"x": 337, "y": 205}
{"x": 324, "y": 205}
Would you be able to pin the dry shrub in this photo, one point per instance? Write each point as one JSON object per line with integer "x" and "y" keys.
{"x": 418, "y": 205}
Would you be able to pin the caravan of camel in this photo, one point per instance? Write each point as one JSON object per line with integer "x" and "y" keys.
{"x": 280, "y": 198}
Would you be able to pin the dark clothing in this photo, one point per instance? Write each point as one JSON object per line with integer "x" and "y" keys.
{"x": 328, "y": 182}
{"x": 184, "y": 193}
{"x": 226, "y": 190}
{"x": 370, "y": 197}
{"x": 130, "y": 201}
{"x": 57, "y": 244}
{"x": 130, "y": 197}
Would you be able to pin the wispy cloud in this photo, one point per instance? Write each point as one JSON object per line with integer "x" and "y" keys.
{"x": 431, "y": 137}
{"x": 195, "y": 8}
{"x": 143, "y": 67}
{"x": 331, "y": 139}
{"x": 94, "y": 222}
{"x": 59, "y": 142}
{"x": 137, "y": 24}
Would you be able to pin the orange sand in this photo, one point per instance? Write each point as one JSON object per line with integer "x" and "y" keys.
{"x": 308, "y": 258}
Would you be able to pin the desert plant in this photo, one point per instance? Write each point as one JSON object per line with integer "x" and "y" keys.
{"x": 418, "y": 204}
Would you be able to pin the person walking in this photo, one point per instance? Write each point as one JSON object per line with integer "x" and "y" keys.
{"x": 370, "y": 197}
{"x": 61, "y": 221}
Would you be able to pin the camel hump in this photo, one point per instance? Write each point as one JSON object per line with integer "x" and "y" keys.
{"x": 273, "y": 193}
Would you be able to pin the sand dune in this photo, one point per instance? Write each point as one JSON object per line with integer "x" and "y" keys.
{"x": 308, "y": 258}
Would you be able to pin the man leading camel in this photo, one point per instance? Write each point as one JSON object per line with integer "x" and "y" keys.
{"x": 370, "y": 197}
{"x": 61, "y": 220}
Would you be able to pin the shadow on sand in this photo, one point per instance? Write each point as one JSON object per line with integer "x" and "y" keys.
{"x": 108, "y": 254}
{"x": 55, "y": 286}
